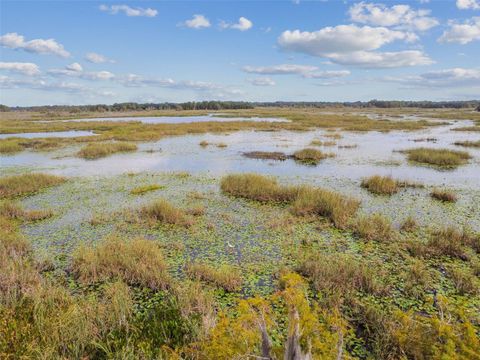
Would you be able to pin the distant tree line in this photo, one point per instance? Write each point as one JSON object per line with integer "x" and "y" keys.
{"x": 228, "y": 105}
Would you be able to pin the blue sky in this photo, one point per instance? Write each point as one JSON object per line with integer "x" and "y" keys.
{"x": 84, "y": 52}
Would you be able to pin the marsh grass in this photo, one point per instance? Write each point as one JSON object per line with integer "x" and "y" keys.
{"x": 304, "y": 200}
{"x": 204, "y": 143}
{"x": 10, "y": 146}
{"x": 266, "y": 155}
{"x": 317, "y": 142}
{"x": 257, "y": 187}
{"x": 444, "y": 195}
{"x": 161, "y": 211}
{"x": 380, "y": 185}
{"x": 329, "y": 204}
{"x": 340, "y": 275}
{"x": 310, "y": 156}
{"x": 196, "y": 210}
{"x": 224, "y": 276}
{"x": 409, "y": 224}
{"x": 450, "y": 241}
{"x": 375, "y": 227}
{"x": 146, "y": 188}
{"x": 222, "y": 145}
{"x": 438, "y": 157}
{"x": 98, "y": 150}
{"x": 464, "y": 280}
{"x": 474, "y": 144}
{"x": 20, "y": 185}
{"x": 136, "y": 262}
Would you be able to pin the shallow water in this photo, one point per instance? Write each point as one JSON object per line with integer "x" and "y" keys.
{"x": 178, "y": 119}
{"x": 376, "y": 153}
{"x": 54, "y": 134}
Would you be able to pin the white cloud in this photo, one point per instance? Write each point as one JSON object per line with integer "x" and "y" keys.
{"x": 468, "y": 4}
{"x": 341, "y": 39}
{"x": 129, "y": 11}
{"x": 462, "y": 33}
{"x": 354, "y": 45}
{"x": 74, "y": 67}
{"x": 329, "y": 74}
{"x": 197, "y": 22}
{"x": 399, "y": 16}
{"x": 262, "y": 81}
{"x": 306, "y": 71}
{"x": 38, "y": 46}
{"x": 371, "y": 59}
{"x": 29, "y": 69}
{"x": 76, "y": 70}
{"x": 243, "y": 24}
{"x": 97, "y": 58}
{"x": 283, "y": 69}
{"x": 455, "y": 77}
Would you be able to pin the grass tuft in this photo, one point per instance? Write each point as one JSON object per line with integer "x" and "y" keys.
{"x": 310, "y": 156}
{"x": 467, "y": 143}
{"x": 225, "y": 276}
{"x": 162, "y": 211}
{"x": 375, "y": 227}
{"x": 438, "y": 157}
{"x": 19, "y": 185}
{"x": 380, "y": 185}
{"x": 98, "y": 150}
{"x": 444, "y": 195}
{"x": 265, "y": 155}
{"x": 146, "y": 188}
{"x": 136, "y": 262}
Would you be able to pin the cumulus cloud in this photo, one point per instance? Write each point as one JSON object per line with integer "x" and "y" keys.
{"x": 341, "y": 39}
{"x": 197, "y": 22}
{"x": 24, "y": 68}
{"x": 129, "y": 11}
{"x": 354, "y": 45}
{"x": 262, "y": 81}
{"x": 243, "y": 24}
{"x": 76, "y": 70}
{"x": 468, "y": 4}
{"x": 283, "y": 69}
{"x": 74, "y": 67}
{"x": 38, "y": 46}
{"x": 97, "y": 58}
{"x": 399, "y": 16}
{"x": 455, "y": 77}
{"x": 306, "y": 71}
{"x": 462, "y": 33}
{"x": 371, "y": 60}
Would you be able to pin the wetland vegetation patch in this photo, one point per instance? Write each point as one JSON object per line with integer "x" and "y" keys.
{"x": 444, "y": 158}
{"x": 25, "y": 184}
{"x": 98, "y": 150}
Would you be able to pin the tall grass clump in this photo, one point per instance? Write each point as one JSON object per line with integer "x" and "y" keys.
{"x": 375, "y": 227}
{"x": 443, "y": 195}
{"x": 140, "y": 190}
{"x": 257, "y": 187}
{"x": 340, "y": 275}
{"x": 310, "y": 156}
{"x": 19, "y": 185}
{"x": 10, "y": 146}
{"x": 99, "y": 150}
{"x": 136, "y": 262}
{"x": 450, "y": 241}
{"x": 474, "y": 144}
{"x": 224, "y": 276}
{"x": 332, "y": 205}
{"x": 380, "y": 185}
{"x": 162, "y": 211}
{"x": 438, "y": 157}
{"x": 266, "y": 155}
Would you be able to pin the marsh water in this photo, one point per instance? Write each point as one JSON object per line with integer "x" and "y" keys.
{"x": 177, "y": 119}
{"x": 374, "y": 153}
